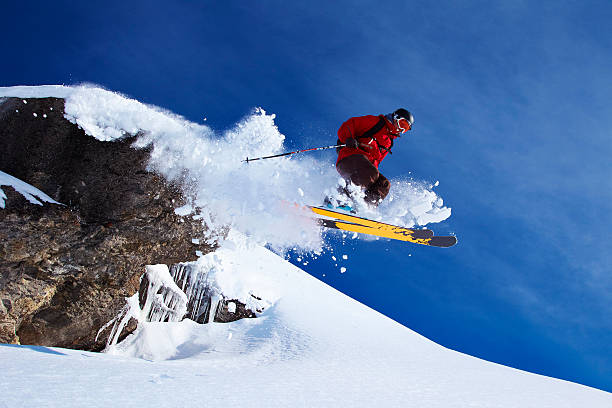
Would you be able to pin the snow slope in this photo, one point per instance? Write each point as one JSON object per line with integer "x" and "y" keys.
{"x": 315, "y": 347}
{"x": 312, "y": 346}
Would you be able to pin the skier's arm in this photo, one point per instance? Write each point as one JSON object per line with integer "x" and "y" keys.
{"x": 346, "y": 131}
{"x": 346, "y": 134}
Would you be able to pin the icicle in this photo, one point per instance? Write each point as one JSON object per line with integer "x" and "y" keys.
{"x": 165, "y": 301}
{"x": 193, "y": 279}
{"x": 131, "y": 309}
{"x": 214, "y": 303}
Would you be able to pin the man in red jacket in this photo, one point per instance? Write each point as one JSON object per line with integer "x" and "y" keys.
{"x": 368, "y": 139}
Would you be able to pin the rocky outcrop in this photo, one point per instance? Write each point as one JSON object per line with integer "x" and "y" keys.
{"x": 65, "y": 270}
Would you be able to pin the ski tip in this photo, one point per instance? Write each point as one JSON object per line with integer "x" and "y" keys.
{"x": 443, "y": 241}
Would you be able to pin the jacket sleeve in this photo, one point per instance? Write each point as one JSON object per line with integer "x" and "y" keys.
{"x": 347, "y": 130}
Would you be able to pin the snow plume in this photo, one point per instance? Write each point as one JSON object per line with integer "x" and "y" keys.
{"x": 413, "y": 203}
{"x": 255, "y": 198}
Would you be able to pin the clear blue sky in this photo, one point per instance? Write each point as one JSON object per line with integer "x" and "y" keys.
{"x": 513, "y": 117}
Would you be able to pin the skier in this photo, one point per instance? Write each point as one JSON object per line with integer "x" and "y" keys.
{"x": 368, "y": 139}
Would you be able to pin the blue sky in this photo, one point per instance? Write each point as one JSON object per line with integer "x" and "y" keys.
{"x": 513, "y": 117}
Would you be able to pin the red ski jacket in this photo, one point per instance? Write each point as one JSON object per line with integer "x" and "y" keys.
{"x": 374, "y": 148}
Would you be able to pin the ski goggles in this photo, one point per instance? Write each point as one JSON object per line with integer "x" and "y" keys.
{"x": 403, "y": 125}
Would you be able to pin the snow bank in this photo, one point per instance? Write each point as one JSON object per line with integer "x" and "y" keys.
{"x": 251, "y": 197}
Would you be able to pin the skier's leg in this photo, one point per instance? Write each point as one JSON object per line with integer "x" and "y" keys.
{"x": 378, "y": 190}
{"x": 358, "y": 169}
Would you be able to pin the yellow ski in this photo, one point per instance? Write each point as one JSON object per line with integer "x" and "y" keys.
{"x": 352, "y": 223}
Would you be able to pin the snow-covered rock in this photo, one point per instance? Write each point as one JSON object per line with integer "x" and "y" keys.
{"x": 67, "y": 268}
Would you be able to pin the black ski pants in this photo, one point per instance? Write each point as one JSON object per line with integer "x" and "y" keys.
{"x": 358, "y": 169}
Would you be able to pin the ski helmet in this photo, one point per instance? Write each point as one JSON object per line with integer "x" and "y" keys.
{"x": 402, "y": 113}
{"x": 403, "y": 119}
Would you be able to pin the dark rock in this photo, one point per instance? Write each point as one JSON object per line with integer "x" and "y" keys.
{"x": 65, "y": 270}
{"x": 226, "y": 314}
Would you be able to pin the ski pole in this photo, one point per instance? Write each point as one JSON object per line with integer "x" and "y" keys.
{"x": 297, "y": 151}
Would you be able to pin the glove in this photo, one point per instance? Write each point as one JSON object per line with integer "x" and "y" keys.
{"x": 352, "y": 143}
